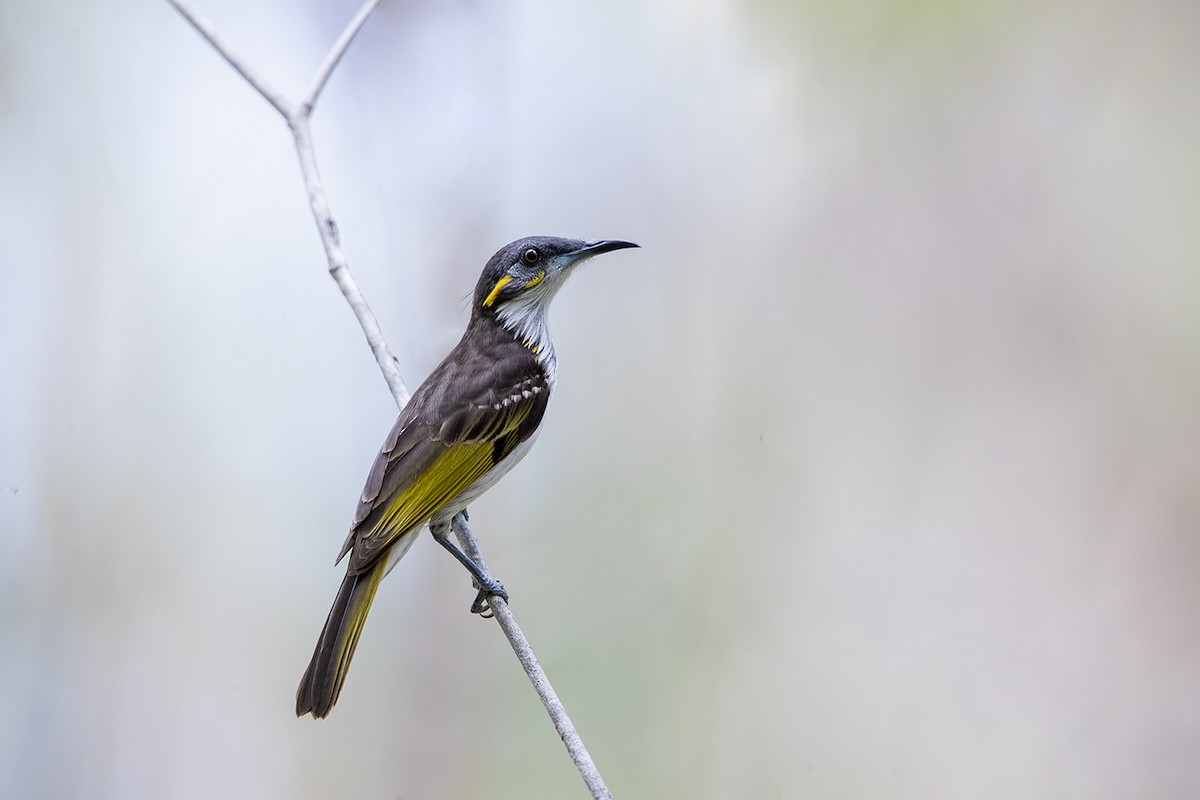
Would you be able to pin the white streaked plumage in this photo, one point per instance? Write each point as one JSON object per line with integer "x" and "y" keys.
{"x": 525, "y": 315}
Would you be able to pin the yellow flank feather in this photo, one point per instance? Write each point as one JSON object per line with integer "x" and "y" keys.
{"x": 491, "y": 298}
{"x": 453, "y": 471}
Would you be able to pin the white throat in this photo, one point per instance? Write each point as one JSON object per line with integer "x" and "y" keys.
{"x": 525, "y": 318}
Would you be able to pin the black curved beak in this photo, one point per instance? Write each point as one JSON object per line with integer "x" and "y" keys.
{"x": 595, "y": 247}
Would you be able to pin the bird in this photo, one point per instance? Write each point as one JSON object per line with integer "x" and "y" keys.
{"x": 474, "y": 417}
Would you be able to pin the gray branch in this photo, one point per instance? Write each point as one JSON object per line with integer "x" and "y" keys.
{"x": 541, "y": 684}
{"x": 205, "y": 29}
{"x": 335, "y": 55}
{"x": 297, "y": 117}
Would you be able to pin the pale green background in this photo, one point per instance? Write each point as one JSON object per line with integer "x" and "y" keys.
{"x": 874, "y": 474}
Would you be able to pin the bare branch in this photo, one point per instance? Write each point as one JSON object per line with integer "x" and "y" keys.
{"x": 338, "y": 268}
{"x": 335, "y": 55}
{"x": 541, "y": 684}
{"x": 205, "y": 29}
{"x": 297, "y": 117}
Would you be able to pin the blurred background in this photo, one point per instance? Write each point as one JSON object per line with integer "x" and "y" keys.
{"x": 875, "y": 473}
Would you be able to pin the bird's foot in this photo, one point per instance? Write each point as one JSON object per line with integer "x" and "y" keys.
{"x": 487, "y": 585}
{"x": 488, "y": 588}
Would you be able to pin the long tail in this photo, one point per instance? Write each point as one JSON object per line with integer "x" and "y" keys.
{"x": 322, "y": 681}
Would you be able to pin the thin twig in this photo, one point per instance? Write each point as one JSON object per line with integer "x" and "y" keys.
{"x": 260, "y": 85}
{"x": 297, "y": 117}
{"x": 541, "y": 684}
{"x": 335, "y": 55}
{"x": 338, "y": 268}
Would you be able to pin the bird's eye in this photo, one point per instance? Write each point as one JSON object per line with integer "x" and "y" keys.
{"x": 531, "y": 256}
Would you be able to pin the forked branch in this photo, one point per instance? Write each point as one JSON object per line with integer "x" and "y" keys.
{"x": 297, "y": 116}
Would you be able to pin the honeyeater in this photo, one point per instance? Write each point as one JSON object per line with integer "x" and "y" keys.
{"x": 474, "y": 417}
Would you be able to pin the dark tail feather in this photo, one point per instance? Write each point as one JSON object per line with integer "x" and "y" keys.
{"x": 322, "y": 681}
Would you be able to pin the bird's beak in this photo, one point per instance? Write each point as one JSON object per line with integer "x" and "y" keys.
{"x": 590, "y": 248}
{"x": 597, "y": 246}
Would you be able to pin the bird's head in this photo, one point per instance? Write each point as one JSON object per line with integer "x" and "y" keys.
{"x": 524, "y": 276}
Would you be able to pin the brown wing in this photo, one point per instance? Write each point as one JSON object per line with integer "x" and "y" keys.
{"x": 478, "y": 405}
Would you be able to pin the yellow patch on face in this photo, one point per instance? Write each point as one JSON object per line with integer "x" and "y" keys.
{"x": 500, "y": 284}
{"x": 535, "y": 280}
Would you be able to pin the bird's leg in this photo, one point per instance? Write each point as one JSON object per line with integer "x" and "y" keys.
{"x": 486, "y": 583}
